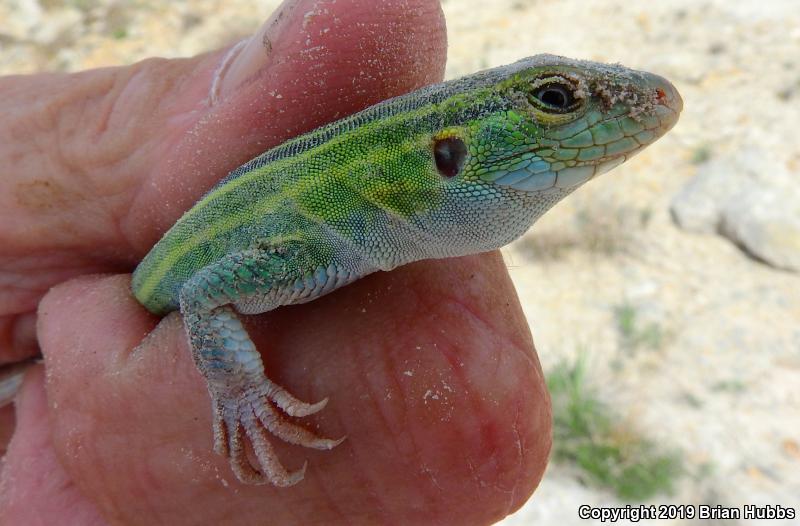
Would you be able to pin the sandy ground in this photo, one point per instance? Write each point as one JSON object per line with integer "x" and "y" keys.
{"x": 723, "y": 383}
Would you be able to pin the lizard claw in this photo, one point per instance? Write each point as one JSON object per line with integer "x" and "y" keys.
{"x": 253, "y": 415}
{"x": 291, "y": 405}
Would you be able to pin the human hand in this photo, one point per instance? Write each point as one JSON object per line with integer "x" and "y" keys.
{"x": 447, "y": 422}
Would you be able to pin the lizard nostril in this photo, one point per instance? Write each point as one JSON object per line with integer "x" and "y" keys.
{"x": 661, "y": 96}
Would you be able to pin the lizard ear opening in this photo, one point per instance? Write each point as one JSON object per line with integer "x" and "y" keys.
{"x": 449, "y": 154}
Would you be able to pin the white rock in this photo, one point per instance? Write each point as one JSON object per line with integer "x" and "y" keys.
{"x": 697, "y": 206}
{"x": 20, "y": 17}
{"x": 60, "y": 25}
{"x": 750, "y": 199}
{"x": 766, "y": 223}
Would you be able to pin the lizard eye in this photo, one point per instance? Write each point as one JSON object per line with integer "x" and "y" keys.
{"x": 449, "y": 154}
{"x": 554, "y": 95}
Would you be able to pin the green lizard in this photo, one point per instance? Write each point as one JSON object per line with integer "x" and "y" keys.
{"x": 455, "y": 168}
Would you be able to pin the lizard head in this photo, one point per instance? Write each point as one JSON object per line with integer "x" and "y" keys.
{"x": 524, "y": 136}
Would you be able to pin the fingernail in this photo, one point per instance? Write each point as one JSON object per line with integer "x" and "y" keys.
{"x": 249, "y": 56}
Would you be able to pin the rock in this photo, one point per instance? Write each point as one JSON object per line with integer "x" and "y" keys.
{"x": 750, "y": 199}
{"x": 766, "y": 224}
{"x": 61, "y": 27}
{"x": 20, "y": 17}
{"x": 697, "y": 207}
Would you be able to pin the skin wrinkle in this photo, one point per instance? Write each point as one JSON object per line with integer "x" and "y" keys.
{"x": 126, "y": 84}
{"x": 322, "y": 487}
{"x": 477, "y": 413}
{"x": 161, "y": 86}
{"x": 37, "y": 445}
{"x": 512, "y": 491}
{"x": 61, "y": 483}
{"x": 146, "y": 78}
{"x": 451, "y": 356}
{"x": 478, "y": 409}
{"x": 23, "y": 293}
{"x": 464, "y": 307}
{"x": 404, "y": 430}
{"x": 45, "y": 120}
{"x": 461, "y": 306}
{"x": 401, "y": 426}
{"x": 320, "y": 482}
{"x": 69, "y": 147}
{"x": 366, "y": 481}
{"x": 392, "y": 370}
{"x": 96, "y": 432}
{"x": 22, "y": 300}
{"x": 169, "y": 325}
{"x": 103, "y": 117}
{"x": 398, "y": 427}
{"x": 123, "y": 99}
{"x": 494, "y": 460}
{"x": 387, "y": 422}
{"x": 521, "y": 456}
{"x": 18, "y": 333}
{"x": 74, "y": 446}
{"x": 186, "y": 98}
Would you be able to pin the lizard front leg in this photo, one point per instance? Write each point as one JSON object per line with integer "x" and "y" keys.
{"x": 245, "y": 402}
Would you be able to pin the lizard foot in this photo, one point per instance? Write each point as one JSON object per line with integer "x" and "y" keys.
{"x": 247, "y": 405}
{"x": 255, "y": 413}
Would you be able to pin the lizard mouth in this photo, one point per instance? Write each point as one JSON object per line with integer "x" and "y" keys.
{"x": 569, "y": 177}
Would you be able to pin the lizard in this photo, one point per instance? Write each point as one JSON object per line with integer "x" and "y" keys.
{"x": 455, "y": 168}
